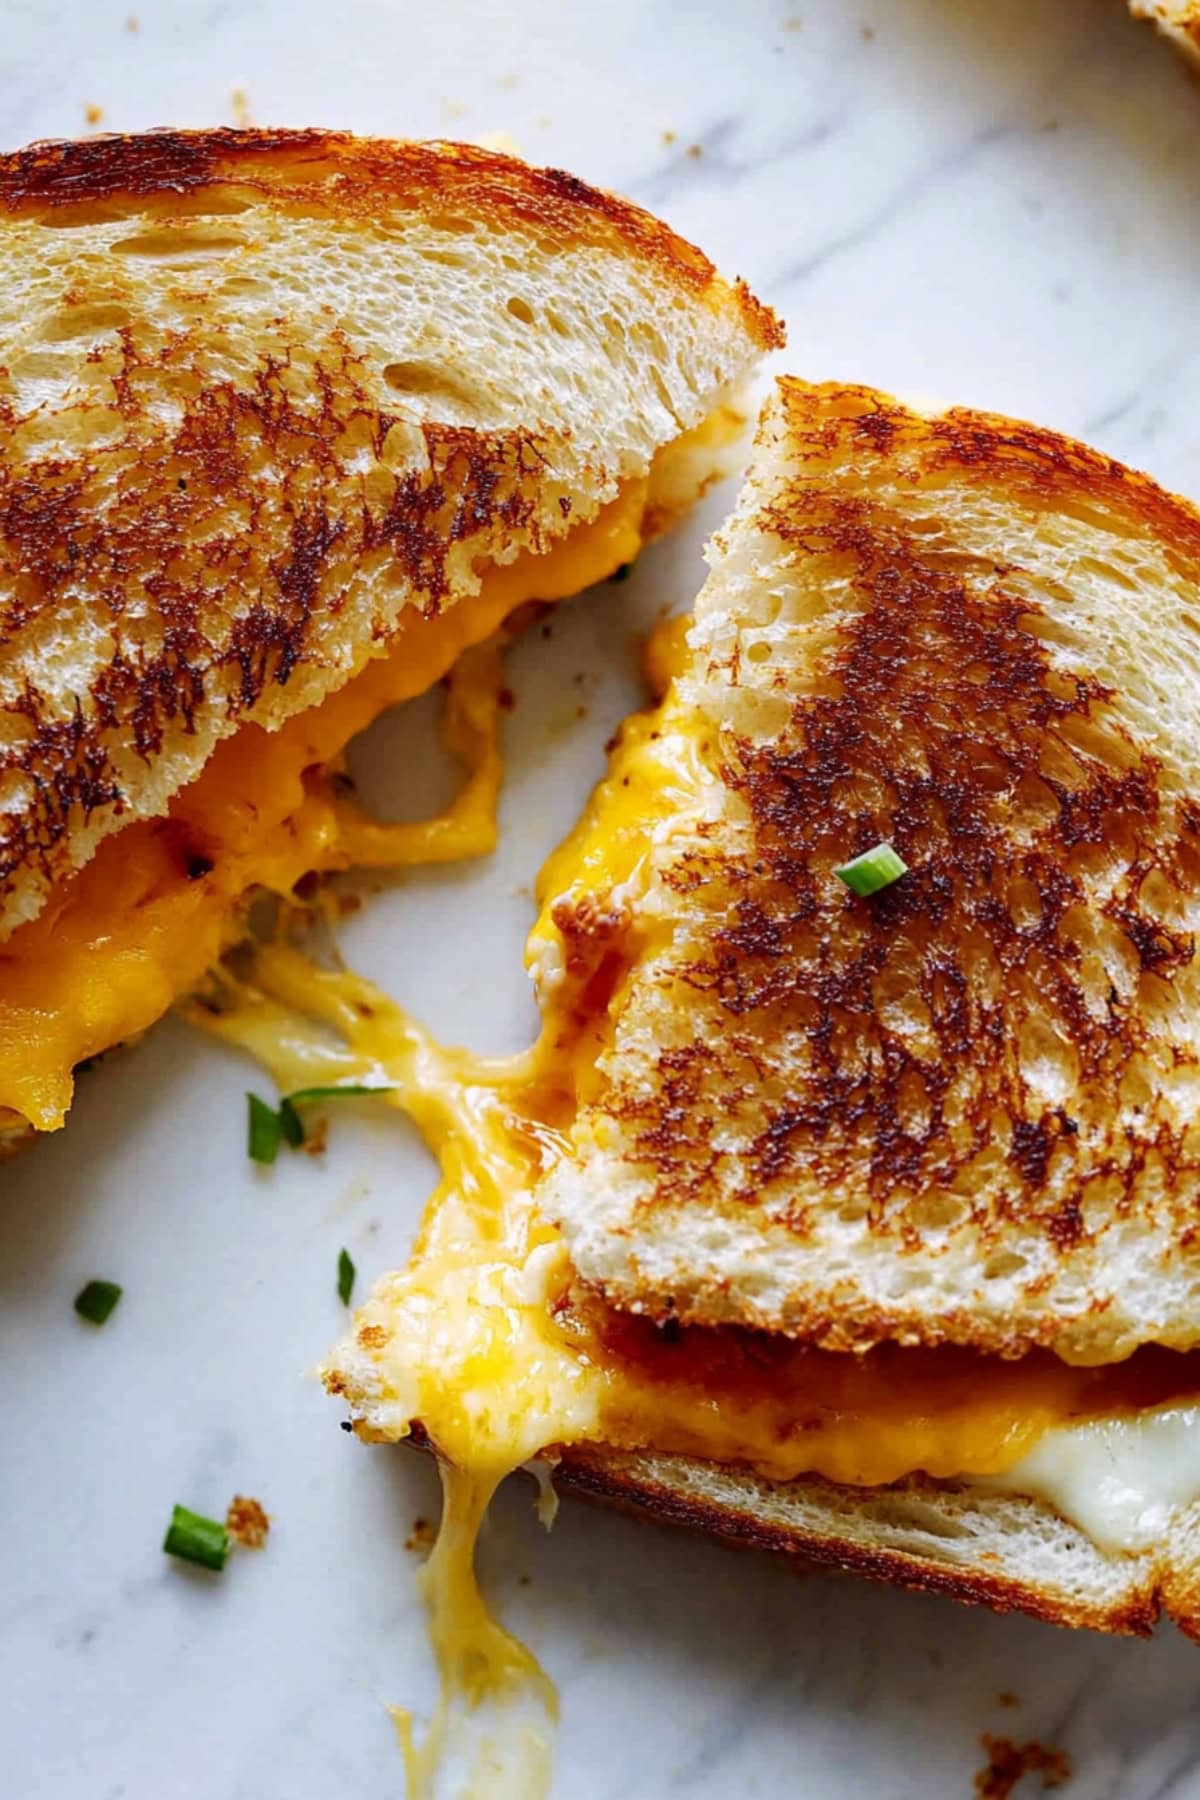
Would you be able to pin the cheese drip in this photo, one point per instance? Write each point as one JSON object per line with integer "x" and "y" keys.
{"x": 496, "y": 1707}
{"x": 486, "y": 1346}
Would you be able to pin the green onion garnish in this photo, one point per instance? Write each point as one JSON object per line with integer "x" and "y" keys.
{"x": 290, "y": 1123}
{"x": 95, "y": 1301}
{"x": 196, "y": 1539}
{"x": 873, "y": 870}
{"x": 300, "y": 1095}
{"x": 263, "y": 1129}
{"x": 267, "y": 1126}
{"x": 346, "y": 1274}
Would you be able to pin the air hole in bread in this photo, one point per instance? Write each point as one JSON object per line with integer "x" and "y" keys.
{"x": 426, "y": 380}
{"x": 757, "y": 714}
{"x": 1002, "y": 1265}
{"x": 759, "y": 651}
{"x": 908, "y": 1281}
{"x": 16, "y": 790}
{"x": 448, "y": 222}
{"x": 1055, "y": 631}
{"x": 936, "y": 1212}
{"x": 930, "y": 1521}
{"x": 988, "y": 770}
{"x": 1110, "y": 573}
{"x": 82, "y": 322}
{"x": 913, "y": 1109}
{"x": 244, "y": 284}
{"x": 897, "y": 999}
{"x": 39, "y": 365}
{"x": 1033, "y": 806}
{"x": 1024, "y": 904}
{"x": 15, "y": 728}
{"x": 664, "y": 394}
{"x": 520, "y": 309}
{"x": 1103, "y": 744}
{"x": 556, "y": 322}
{"x": 1049, "y": 1063}
{"x": 1059, "y": 766}
{"x": 178, "y": 246}
{"x": 73, "y": 218}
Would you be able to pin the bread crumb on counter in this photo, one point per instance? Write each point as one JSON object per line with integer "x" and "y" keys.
{"x": 247, "y": 1522}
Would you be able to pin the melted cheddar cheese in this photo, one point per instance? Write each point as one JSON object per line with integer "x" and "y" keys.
{"x": 486, "y": 1342}
{"x": 154, "y": 908}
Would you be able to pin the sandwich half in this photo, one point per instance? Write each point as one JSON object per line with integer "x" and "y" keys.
{"x": 859, "y": 1227}
{"x": 290, "y": 419}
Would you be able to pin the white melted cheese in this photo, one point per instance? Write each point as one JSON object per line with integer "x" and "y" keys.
{"x": 1119, "y": 1479}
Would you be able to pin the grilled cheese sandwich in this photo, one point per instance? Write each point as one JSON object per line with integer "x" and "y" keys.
{"x": 154, "y": 908}
{"x": 315, "y": 415}
{"x": 1064, "y": 1480}
{"x": 487, "y": 1346}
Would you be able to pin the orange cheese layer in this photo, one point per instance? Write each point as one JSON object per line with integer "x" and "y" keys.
{"x": 485, "y": 1340}
{"x": 730, "y": 1396}
{"x": 140, "y": 924}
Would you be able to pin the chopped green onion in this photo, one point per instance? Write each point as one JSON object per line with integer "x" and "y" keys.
{"x": 873, "y": 870}
{"x": 264, "y": 1127}
{"x": 97, "y": 1300}
{"x": 268, "y": 1127}
{"x": 300, "y": 1095}
{"x": 196, "y": 1539}
{"x": 290, "y": 1123}
{"x": 346, "y": 1274}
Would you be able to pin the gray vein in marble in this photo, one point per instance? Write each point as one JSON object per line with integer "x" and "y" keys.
{"x": 719, "y": 165}
{"x": 886, "y": 212}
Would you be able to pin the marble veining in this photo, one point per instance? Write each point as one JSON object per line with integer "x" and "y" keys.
{"x": 993, "y": 204}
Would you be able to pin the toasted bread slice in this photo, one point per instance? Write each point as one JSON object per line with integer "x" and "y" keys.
{"x": 964, "y": 1110}
{"x": 1177, "y": 19}
{"x": 264, "y": 392}
{"x": 999, "y": 1550}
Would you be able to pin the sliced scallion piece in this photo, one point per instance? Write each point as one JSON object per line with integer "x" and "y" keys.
{"x": 873, "y": 870}
{"x": 196, "y": 1539}
{"x": 95, "y": 1301}
{"x": 263, "y": 1130}
{"x": 290, "y": 1123}
{"x": 345, "y": 1279}
{"x": 300, "y": 1095}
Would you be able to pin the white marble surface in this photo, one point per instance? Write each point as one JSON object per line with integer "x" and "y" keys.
{"x": 992, "y": 201}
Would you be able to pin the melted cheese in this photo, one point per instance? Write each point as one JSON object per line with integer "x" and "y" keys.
{"x": 487, "y": 1345}
{"x": 1119, "y": 1479}
{"x": 484, "y": 1343}
{"x": 139, "y": 925}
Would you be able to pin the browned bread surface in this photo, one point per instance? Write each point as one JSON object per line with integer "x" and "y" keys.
{"x": 262, "y": 391}
{"x": 967, "y": 1108}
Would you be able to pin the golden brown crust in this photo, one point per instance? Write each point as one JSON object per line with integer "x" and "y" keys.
{"x": 976, "y": 1081}
{"x": 601, "y": 1477}
{"x": 219, "y": 486}
{"x": 333, "y": 169}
